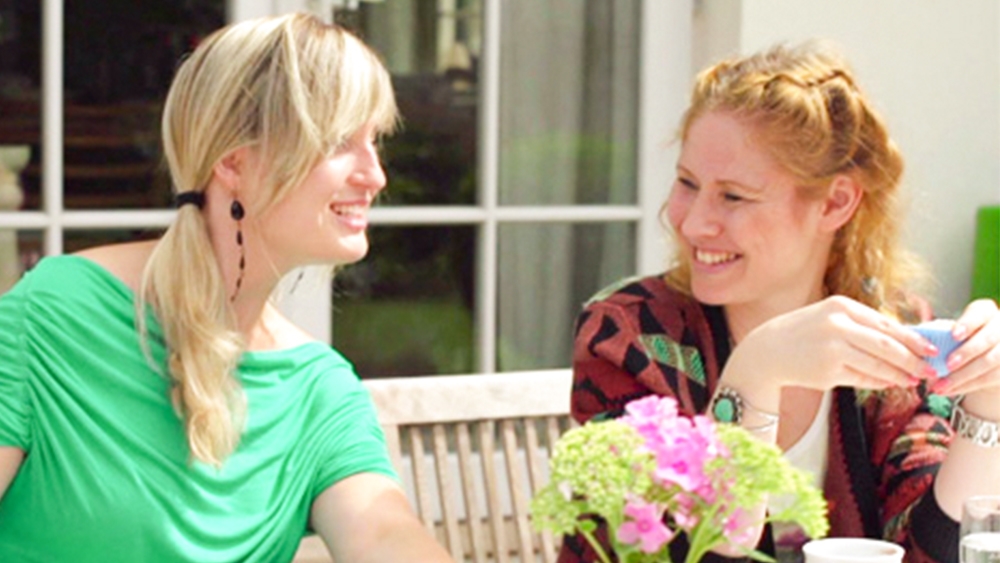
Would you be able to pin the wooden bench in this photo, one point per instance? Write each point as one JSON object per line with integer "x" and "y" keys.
{"x": 471, "y": 451}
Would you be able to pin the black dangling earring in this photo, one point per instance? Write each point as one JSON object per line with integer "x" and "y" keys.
{"x": 237, "y": 213}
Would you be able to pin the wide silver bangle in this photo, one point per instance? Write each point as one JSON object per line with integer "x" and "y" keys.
{"x": 979, "y": 431}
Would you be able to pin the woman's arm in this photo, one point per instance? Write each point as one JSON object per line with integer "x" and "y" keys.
{"x": 836, "y": 342}
{"x": 10, "y": 462}
{"x": 970, "y": 468}
{"x": 366, "y": 518}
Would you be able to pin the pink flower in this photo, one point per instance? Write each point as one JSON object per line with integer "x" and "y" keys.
{"x": 646, "y": 525}
{"x": 649, "y": 414}
{"x": 681, "y": 452}
{"x": 705, "y": 427}
{"x": 681, "y": 446}
{"x": 685, "y": 514}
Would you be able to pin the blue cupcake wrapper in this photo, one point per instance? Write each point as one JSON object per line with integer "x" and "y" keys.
{"x": 945, "y": 343}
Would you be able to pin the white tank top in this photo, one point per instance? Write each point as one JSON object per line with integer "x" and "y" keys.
{"x": 809, "y": 454}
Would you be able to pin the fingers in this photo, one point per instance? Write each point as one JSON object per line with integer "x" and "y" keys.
{"x": 976, "y": 363}
{"x": 977, "y": 314}
{"x": 840, "y": 341}
{"x": 887, "y": 350}
{"x": 868, "y": 371}
{"x": 872, "y": 319}
{"x": 966, "y": 381}
{"x": 864, "y": 380}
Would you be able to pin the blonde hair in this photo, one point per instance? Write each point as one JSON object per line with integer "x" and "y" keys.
{"x": 806, "y": 109}
{"x": 293, "y": 88}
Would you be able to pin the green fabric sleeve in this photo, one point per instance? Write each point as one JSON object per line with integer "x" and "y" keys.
{"x": 352, "y": 438}
{"x": 14, "y": 396}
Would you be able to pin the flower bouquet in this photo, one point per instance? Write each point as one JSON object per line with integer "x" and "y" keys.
{"x": 654, "y": 473}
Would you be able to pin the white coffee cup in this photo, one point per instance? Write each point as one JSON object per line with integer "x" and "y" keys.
{"x": 852, "y": 550}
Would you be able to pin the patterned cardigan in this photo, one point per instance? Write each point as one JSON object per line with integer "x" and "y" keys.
{"x": 640, "y": 337}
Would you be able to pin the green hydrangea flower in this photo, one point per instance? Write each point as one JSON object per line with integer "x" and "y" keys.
{"x": 594, "y": 467}
{"x": 758, "y": 470}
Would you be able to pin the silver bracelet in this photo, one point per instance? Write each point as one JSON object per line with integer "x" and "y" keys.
{"x": 979, "y": 431}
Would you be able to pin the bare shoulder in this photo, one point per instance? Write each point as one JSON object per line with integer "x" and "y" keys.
{"x": 124, "y": 261}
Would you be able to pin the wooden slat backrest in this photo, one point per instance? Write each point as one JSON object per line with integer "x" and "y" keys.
{"x": 472, "y": 450}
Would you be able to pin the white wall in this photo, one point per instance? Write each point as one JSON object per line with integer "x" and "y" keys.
{"x": 933, "y": 69}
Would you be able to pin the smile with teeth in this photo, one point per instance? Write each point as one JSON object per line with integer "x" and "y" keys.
{"x": 713, "y": 258}
{"x": 350, "y": 210}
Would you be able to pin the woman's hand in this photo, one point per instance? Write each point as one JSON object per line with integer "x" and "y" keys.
{"x": 836, "y": 342}
{"x": 975, "y": 366}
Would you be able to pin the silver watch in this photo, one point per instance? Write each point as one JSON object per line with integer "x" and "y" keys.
{"x": 982, "y": 432}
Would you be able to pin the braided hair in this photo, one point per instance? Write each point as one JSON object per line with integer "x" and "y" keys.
{"x": 805, "y": 108}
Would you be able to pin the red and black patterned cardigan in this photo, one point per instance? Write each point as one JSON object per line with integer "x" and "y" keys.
{"x": 640, "y": 337}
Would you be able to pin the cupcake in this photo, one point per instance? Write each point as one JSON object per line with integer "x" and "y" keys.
{"x": 938, "y": 332}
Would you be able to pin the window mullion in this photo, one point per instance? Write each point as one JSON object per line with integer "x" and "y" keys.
{"x": 52, "y": 123}
{"x": 664, "y": 84}
{"x": 488, "y": 181}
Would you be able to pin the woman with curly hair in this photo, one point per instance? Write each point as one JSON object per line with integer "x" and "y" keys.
{"x": 786, "y": 306}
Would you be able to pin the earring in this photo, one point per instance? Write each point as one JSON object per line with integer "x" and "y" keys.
{"x": 237, "y": 213}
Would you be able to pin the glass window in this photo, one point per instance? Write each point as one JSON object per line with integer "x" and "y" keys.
{"x": 520, "y": 125}
{"x": 407, "y": 309}
{"x": 119, "y": 58}
{"x": 432, "y": 51}
{"x": 547, "y": 271}
{"x": 20, "y": 90}
{"x": 114, "y": 85}
{"x": 568, "y": 132}
{"x": 569, "y": 84}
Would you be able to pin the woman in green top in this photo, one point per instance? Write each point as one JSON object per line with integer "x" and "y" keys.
{"x": 209, "y": 427}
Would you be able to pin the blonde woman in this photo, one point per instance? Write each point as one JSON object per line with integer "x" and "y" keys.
{"x": 208, "y": 427}
{"x": 784, "y": 311}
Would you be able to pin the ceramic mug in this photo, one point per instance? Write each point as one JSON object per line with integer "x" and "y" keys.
{"x": 852, "y": 550}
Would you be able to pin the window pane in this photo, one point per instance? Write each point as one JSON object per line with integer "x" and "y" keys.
{"x": 20, "y": 84}
{"x": 568, "y": 102}
{"x": 432, "y": 56}
{"x": 119, "y": 59}
{"x": 407, "y": 309}
{"x": 547, "y": 272}
{"x": 115, "y": 82}
{"x": 19, "y": 252}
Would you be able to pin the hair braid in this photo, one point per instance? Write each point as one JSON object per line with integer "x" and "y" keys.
{"x": 807, "y": 109}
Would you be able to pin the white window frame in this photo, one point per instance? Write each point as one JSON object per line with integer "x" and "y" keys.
{"x": 665, "y": 74}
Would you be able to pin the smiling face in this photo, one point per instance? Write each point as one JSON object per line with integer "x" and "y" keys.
{"x": 749, "y": 236}
{"x": 324, "y": 220}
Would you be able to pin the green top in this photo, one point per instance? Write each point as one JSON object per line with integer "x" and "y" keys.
{"x": 107, "y": 475}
